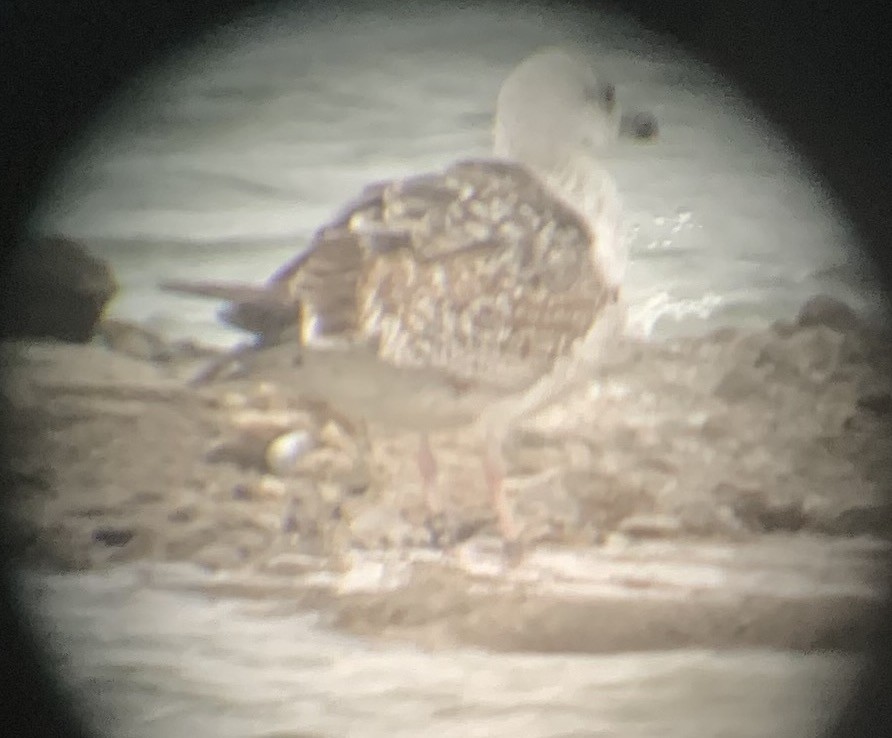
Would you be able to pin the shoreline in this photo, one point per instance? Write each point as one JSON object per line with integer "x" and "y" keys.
{"x": 731, "y": 493}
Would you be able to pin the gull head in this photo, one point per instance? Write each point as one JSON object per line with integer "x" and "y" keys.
{"x": 553, "y": 107}
{"x": 557, "y": 116}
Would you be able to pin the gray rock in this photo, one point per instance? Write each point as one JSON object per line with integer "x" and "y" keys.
{"x": 651, "y": 526}
{"x": 828, "y": 311}
{"x": 53, "y": 288}
{"x": 133, "y": 340}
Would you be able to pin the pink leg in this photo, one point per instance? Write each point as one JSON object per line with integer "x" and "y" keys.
{"x": 427, "y": 465}
{"x": 495, "y": 472}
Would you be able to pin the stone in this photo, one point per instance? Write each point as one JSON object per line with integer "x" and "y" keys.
{"x": 53, "y": 288}
{"x": 827, "y": 311}
{"x": 650, "y": 526}
{"x": 284, "y": 452}
{"x": 133, "y": 340}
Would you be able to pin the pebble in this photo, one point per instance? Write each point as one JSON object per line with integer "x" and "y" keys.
{"x": 270, "y": 486}
{"x": 273, "y": 422}
{"x": 113, "y": 537}
{"x": 234, "y": 401}
{"x": 283, "y": 453}
{"x": 383, "y": 528}
{"x": 333, "y": 434}
{"x": 827, "y": 311}
{"x": 650, "y": 526}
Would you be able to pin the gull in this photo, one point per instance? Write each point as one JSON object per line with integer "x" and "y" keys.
{"x": 477, "y": 294}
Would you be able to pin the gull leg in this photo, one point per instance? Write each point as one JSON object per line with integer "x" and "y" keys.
{"x": 568, "y": 373}
{"x": 427, "y": 465}
{"x": 495, "y": 472}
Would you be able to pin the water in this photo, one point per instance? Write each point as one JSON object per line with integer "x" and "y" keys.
{"x": 159, "y": 662}
{"x": 224, "y": 164}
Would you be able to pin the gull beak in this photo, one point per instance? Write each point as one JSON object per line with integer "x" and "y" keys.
{"x": 639, "y": 126}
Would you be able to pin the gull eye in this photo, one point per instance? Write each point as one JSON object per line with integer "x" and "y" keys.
{"x": 603, "y": 95}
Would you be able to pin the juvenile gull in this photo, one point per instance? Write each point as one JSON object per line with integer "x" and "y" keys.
{"x": 478, "y": 293}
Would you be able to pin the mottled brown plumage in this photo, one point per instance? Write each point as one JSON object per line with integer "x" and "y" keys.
{"x": 475, "y": 269}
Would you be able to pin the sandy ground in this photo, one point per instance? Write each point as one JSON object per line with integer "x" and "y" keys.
{"x": 724, "y": 490}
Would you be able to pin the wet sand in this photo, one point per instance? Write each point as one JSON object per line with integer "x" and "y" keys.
{"x": 716, "y": 491}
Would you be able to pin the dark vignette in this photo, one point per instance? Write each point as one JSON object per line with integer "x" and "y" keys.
{"x": 821, "y": 71}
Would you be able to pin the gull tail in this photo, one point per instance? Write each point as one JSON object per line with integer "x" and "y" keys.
{"x": 267, "y": 310}
{"x": 230, "y": 291}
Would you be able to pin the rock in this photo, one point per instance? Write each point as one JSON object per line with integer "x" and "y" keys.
{"x": 878, "y": 403}
{"x": 812, "y": 353}
{"x": 758, "y": 512}
{"x": 307, "y": 523}
{"x": 723, "y": 335}
{"x": 376, "y": 528}
{"x": 189, "y": 349}
{"x": 221, "y": 556}
{"x": 248, "y": 452}
{"x": 270, "y": 487}
{"x": 53, "y": 288}
{"x": 268, "y": 423}
{"x": 650, "y": 526}
{"x": 827, "y": 311}
{"x": 869, "y": 519}
{"x": 284, "y": 452}
{"x": 113, "y": 537}
{"x": 259, "y": 439}
{"x": 739, "y": 384}
{"x": 133, "y": 340}
{"x": 546, "y": 505}
{"x": 784, "y": 328}
{"x": 291, "y": 565}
